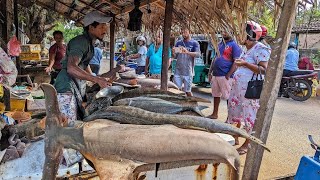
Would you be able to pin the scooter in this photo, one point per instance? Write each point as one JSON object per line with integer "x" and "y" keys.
{"x": 309, "y": 167}
{"x": 297, "y": 87}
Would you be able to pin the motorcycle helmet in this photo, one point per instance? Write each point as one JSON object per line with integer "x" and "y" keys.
{"x": 253, "y": 31}
{"x": 292, "y": 45}
{"x": 264, "y": 32}
{"x": 141, "y": 38}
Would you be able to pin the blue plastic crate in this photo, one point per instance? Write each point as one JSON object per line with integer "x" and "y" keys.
{"x": 309, "y": 169}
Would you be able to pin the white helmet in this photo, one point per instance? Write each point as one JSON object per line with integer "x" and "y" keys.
{"x": 141, "y": 38}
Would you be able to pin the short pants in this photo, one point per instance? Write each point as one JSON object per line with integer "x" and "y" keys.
{"x": 221, "y": 87}
{"x": 185, "y": 80}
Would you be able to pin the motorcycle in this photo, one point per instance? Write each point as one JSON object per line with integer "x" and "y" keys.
{"x": 297, "y": 87}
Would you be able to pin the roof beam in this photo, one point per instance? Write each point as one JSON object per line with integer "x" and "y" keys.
{"x": 70, "y": 8}
{"x": 89, "y": 5}
{"x": 61, "y": 13}
{"x": 159, "y": 5}
{"x": 131, "y": 7}
{"x": 112, "y": 4}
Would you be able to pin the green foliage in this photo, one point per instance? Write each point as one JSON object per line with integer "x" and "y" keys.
{"x": 68, "y": 28}
{"x": 316, "y": 58}
{"x": 267, "y": 20}
{"x": 304, "y": 16}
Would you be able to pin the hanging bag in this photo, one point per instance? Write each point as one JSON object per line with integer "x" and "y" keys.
{"x": 254, "y": 86}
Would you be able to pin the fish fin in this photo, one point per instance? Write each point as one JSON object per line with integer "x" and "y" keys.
{"x": 54, "y": 121}
{"x": 198, "y": 111}
{"x": 197, "y": 99}
{"x": 201, "y": 107}
{"x": 235, "y": 163}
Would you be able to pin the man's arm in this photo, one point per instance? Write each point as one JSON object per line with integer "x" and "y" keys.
{"x": 75, "y": 71}
{"x": 134, "y": 56}
{"x": 195, "y": 52}
{"x": 231, "y": 71}
{"x": 52, "y": 56}
{"x": 88, "y": 69}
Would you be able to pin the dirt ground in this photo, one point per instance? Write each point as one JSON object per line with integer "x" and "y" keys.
{"x": 292, "y": 122}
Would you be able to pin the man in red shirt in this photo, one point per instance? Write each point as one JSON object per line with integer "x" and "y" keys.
{"x": 305, "y": 64}
{"x": 56, "y": 53}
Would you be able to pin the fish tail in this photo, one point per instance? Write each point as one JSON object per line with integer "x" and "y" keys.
{"x": 53, "y": 149}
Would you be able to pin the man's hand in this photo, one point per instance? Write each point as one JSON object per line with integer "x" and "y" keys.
{"x": 184, "y": 50}
{"x": 48, "y": 69}
{"x": 210, "y": 77}
{"x": 227, "y": 76}
{"x": 123, "y": 68}
{"x": 103, "y": 82}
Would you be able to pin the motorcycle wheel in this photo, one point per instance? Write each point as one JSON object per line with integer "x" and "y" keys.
{"x": 300, "y": 91}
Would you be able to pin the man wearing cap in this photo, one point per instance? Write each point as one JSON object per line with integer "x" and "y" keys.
{"x": 75, "y": 66}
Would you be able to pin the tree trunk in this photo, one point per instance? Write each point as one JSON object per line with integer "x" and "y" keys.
{"x": 270, "y": 89}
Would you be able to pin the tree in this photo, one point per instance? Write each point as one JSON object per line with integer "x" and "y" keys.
{"x": 68, "y": 28}
{"x": 38, "y": 21}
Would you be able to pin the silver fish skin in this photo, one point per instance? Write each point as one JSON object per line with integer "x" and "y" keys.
{"x": 133, "y": 115}
{"x": 157, "y": 93}
{"x": 120, "y": 151}
{"x": 156, "y": 105}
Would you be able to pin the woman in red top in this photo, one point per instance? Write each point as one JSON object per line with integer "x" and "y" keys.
{"x": 56, "y": 53}
{"x": 305, "y": 64}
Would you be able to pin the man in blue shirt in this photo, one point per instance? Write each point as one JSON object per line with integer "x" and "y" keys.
{"x": 221, "y": 70}
{"x": 154, "y": 58}
{"x": 189, "y": 49}
{"x": 95, "y": 61}
{"x": 291, "y": 62}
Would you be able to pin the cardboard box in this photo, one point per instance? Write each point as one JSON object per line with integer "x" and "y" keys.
{"x": 36, "y": 104}
{"x": 30, "y": 48}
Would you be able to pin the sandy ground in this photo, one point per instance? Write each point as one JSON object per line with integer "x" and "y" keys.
{"x": 292, "y": 122}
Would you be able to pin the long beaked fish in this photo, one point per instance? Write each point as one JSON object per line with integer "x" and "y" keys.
{"x": 157, "y": 105}
{"x": 122, "y": 151}
{"x": 133, "y": 115}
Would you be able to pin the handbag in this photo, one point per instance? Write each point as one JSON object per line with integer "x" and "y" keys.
{"x": 254, "y": 86}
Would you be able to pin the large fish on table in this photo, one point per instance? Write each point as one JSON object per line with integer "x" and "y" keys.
{"x": 158, "y": 105}
{"x": 132, "y": 115}
{"x": 153, "y": 83}
{"x": 123, "y": 151}
{"x": 157, "y": 93}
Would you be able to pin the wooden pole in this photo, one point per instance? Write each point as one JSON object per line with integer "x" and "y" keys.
{"x": 270, "y": 89}
{"x": 166, "y": 44}
{"x": 16, "y": 23}
{"x": 112, "y": 42}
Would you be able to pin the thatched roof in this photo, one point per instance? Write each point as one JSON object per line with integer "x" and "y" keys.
{"x": 203, "y": 16}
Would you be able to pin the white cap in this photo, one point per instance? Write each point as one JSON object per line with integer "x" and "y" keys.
{"x": 95, "y": 16}
{"x": 141, "y": 38}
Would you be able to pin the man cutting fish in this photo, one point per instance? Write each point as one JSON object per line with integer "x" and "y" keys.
{"x": 71, "y": 81}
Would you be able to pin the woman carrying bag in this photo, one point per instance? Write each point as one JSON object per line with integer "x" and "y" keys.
{"x": 241, "y": 110}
